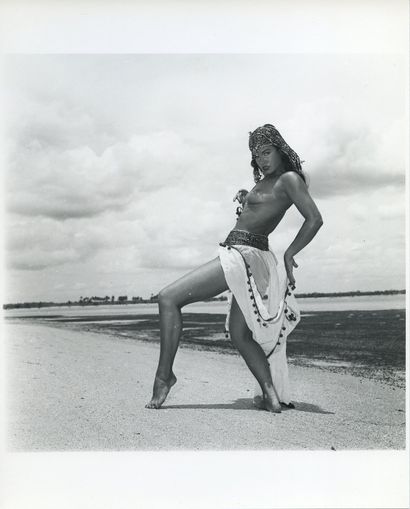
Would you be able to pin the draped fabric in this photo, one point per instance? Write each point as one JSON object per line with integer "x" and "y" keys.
{"x": 267, "y": 303}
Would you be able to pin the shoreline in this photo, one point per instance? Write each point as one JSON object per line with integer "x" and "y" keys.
{"x": 141, "y": 301}
{"x": 323, "y": 303}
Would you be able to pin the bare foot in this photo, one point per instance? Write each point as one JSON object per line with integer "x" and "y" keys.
{"x": 266, "y": 402}
{"x": 161, "y": 390}
{"x": 272, "y": 406}
{"x": 271, "y": 400}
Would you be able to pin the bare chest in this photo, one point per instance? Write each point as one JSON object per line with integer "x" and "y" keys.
{"x": 262, "y": 195}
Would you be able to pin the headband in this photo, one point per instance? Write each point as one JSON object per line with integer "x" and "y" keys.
{"x": 268, "y": 134}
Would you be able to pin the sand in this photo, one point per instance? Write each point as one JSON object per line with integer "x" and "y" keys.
{"x": 73, "y": 390}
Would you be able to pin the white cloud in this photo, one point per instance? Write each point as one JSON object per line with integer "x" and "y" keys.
{"x": 43, "y": 242}
{"x": 346, "y": 155}
{"x": 79, "y": 183}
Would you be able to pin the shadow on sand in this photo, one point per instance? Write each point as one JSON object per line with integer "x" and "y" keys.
{"x": 247, "y": 404}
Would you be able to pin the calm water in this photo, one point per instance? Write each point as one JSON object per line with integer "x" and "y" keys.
{"x": 365, "y": 303}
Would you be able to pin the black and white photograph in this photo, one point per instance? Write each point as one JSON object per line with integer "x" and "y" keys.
{"x": 205, "y": 252}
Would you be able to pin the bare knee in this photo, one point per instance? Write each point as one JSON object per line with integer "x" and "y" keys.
{"x": 167, "y": 298}
{"x": 239, "y": 331}
{"x": 174, "y": 295}
{"x": 240, "y": 336}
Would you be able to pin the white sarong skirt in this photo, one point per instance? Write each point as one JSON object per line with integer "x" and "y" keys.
{"x": 267, "y": 303}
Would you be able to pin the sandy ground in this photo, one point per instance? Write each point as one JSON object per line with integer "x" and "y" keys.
{"x": 70, "y": 390}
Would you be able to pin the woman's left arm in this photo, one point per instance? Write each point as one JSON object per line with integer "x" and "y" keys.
{"x": 298, "y": 193}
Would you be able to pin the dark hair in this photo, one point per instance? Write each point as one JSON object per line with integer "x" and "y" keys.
{"x": 256, "y": 171}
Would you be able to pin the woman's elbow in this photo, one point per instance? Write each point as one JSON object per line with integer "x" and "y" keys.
{"x": 316, "y": 221}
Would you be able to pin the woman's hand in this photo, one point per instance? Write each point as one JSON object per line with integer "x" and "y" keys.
{"x": 289, "y": 264}
{"x": 240, "y": 196}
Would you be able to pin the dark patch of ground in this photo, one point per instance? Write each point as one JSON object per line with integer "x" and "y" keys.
{"x": 363, "y": 343}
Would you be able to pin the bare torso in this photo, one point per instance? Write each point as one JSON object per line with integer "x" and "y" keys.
{"x": 264, "y": 207}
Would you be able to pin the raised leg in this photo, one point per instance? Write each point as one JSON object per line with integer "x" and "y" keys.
{"x": 202, "y": 283}
{"x": 254, "y": 357}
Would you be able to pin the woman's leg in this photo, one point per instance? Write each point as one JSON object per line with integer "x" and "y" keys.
{"x": 254, "y": 357}
{"x": 202, "y": 283}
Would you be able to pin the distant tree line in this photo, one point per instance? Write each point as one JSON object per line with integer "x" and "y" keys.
{"x": 40, "y": 304}
{"x": 349, "y": 294}
{"x": 85, "y": 301}
{"x": 123, "y": 299}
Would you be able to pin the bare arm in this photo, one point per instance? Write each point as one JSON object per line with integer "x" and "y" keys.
{"x": 298, "y": 193}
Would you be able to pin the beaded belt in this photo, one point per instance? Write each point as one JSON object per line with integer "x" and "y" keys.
{"x": 243, "y": 238}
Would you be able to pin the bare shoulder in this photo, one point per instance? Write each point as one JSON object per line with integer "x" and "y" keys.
{"x": 293, "y": 185}
{"x": 292, "y": 179}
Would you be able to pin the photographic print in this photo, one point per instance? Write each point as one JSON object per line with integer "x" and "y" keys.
{"x": 122, "y": 170}
{"x": 204, "y": 281}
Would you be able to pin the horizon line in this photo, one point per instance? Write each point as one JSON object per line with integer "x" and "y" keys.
{"x": 153, "y": 297}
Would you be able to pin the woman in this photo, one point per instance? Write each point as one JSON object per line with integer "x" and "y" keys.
{"x": 261, "y": 313}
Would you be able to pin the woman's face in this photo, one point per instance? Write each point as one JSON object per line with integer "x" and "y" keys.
{"x": 268, "y": 159}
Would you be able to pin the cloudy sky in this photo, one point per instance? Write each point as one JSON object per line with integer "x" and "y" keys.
{"x": 121, "y": 168}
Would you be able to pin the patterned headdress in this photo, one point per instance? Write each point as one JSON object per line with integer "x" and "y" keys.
{"x": 268, "y": 134}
